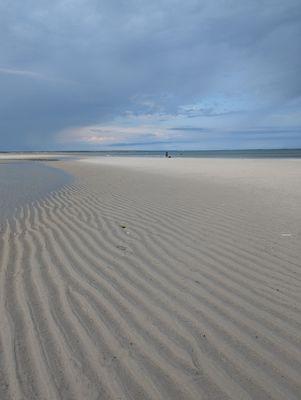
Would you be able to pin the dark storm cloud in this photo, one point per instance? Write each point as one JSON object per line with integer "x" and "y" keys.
{"x": 82, "y": 63}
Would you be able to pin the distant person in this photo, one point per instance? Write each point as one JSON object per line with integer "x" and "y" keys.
{"x": 166, "y": 154}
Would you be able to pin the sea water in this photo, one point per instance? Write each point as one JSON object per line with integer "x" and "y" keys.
{"x": 268, "y": 153}
{"x": 24, "y": 182}
{"x": 254, "y": 153}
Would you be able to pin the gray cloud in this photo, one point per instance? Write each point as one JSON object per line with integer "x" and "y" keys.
{"x": 77, "y": 63}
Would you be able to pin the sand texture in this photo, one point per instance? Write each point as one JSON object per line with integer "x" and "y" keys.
{"x": 155, "y": 279}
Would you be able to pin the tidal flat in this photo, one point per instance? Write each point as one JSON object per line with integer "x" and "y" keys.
{"x": 147, "y": 278}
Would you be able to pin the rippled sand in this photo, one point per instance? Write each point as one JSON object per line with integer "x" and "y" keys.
{"x": 155, "y": 279}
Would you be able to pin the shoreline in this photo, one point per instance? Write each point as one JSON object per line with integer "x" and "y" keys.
{"x": 23, "y": 182}
{"x": 288, "y": 153}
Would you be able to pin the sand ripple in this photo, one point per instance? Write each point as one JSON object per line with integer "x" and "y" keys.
{"x": 110, "y": 295}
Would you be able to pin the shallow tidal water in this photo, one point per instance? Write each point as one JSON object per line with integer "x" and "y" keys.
{"x": 26, "y": 181}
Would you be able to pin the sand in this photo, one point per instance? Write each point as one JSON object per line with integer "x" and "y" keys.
{"x": 155, "y": 279}
{"x": 33, "y": 156}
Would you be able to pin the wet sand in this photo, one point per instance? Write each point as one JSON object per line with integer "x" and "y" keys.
{"x": 155, "y": 279}
{"x": 23, "y": 182}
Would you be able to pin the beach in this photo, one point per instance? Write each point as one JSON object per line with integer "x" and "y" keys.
{"x": 145, "y": 278}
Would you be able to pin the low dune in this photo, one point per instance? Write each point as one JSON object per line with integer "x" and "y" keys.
{"x": 155, "y": 279}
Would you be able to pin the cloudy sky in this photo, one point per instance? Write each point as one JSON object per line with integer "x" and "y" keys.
{"x": 140, "y": 74}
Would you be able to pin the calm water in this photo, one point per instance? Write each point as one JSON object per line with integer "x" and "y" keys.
{"x": 282, "y": 153}
{"x": 274, "y": 153}
{"x": 24, "y": 182}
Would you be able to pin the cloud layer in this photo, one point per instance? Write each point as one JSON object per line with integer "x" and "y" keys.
{"x": 84, "y": 74}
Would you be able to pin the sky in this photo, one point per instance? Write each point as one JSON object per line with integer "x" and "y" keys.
{"x": 150, "y": 75}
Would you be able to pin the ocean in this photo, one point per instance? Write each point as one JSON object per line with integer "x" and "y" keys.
{"x": 254, "y": 153}
{"x": 279, "y": 153}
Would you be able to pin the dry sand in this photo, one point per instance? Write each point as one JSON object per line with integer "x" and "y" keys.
{"x": 155, "y": 279}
